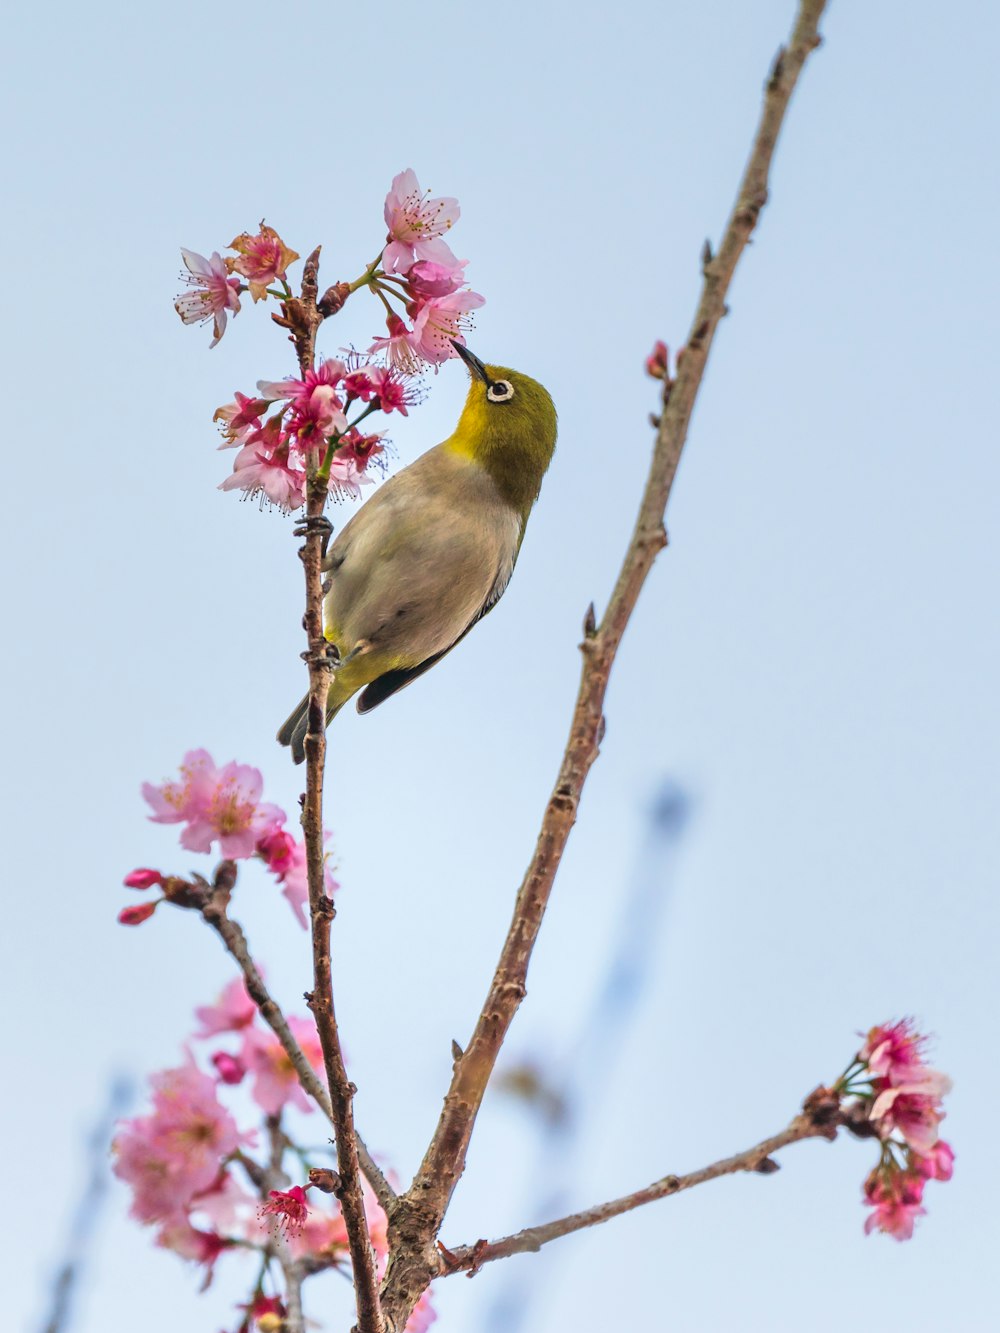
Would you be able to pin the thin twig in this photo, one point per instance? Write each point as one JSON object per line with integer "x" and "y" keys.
{"x": 422, "y": 1208}
{"x": 321, "y": 909}
{"x": 294, "y": 1321}
{"x": 470, "y": 1258}
{"x": 87, "y": 1213}
{"x": 231, "y": 933}
{"x": 275, "y": 1177}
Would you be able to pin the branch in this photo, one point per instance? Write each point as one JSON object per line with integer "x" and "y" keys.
{"x": 423, "y": 1207}
{"x": 321, "y": 909}
{"x": 445, "y": 1159}
{"x": 814, "y": 1123}
{"x": 292, "y": 1271}
{"x": 231, "y": 933}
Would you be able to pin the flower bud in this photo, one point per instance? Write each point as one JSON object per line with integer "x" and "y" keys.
{"x": 230, "y": 1068}
{"x": 324, "y": 1179}
{"x": 656, "y": 362}
{"x": 135, "y": 916}
{"x": 142, "y": 879}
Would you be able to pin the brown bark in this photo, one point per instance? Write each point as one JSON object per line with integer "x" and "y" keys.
{"x": 305, "y": 320}
{"x": 421, "y": 1209}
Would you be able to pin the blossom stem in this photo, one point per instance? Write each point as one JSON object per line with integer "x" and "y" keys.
{"x": 848, "y": 1073}
{"x": 381, "y": 296}
{"x": 390, "y": 291}
{"x": 371, "y": 407}
{"x": 367, "y": 276}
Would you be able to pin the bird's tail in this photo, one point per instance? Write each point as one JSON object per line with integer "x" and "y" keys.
{"x": 292, "y": 731}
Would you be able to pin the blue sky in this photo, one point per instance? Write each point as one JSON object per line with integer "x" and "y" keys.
{"x": 814, "y": 659}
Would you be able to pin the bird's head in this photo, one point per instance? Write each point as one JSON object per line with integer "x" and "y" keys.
{"x": 508, "y": 425}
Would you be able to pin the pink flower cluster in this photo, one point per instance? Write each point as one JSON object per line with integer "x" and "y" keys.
{"x": 179, "y": 1159}
{"x": 415, "y": 268}
{"x": 174, "y": 1161}
{"x": 260, "y": 1054}
{"x": 312, "y": 416}
{"x": 262, "y": 259}
{"x": 908, "y": 1092}
{"x": 224, "y": 805}
{"x": 419, "y": 269}
{"x": 903, "y": 1097}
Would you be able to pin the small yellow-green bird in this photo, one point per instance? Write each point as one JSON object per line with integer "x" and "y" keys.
{"x": 434, "y": 548}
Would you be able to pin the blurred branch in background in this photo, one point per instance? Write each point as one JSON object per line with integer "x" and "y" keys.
{"x": 570, "y": 1097}
{"x": 86, "y": 1217}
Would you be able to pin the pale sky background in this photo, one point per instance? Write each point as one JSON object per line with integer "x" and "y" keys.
{"x": 814, "y": 659}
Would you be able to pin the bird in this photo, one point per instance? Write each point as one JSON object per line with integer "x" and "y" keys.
{"x": 432, "y": 551}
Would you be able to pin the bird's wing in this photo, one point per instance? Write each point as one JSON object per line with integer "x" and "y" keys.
{"x": 391, "y": 682}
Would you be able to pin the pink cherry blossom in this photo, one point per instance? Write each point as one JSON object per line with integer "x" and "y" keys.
{"x": 939, "y": 1164}
{"x": 142, "y": 878}
{"x": 426, "y": 278}
{"x": 135, "y": 916}
{"x": 232, "y": 1012}
{"x": 439, "y": 321}
{"x": 230, "y": 1068}
{"x": 293, "y": 878}
{"x": 359, "y": 383}
{"x": 263, "y": 258}
{"x": 415, "y": 223}
{"x": 322, "y": 1233}
{"x": 215, "y": 804}
{"x": 317, "y": 409}
{"x": 896, "y": 1197}
{"x": 392, "y": 392}
{"x": 350, "y": 468}
{"x": 270, "y": 475}
{"x": 262, "y": 1305}
{"x": 275, "y": 1082}
{"x": 914, "y": 1115}
{"x": 215, "y": 292}
{"x": 382, "y": 385}
{"x": 226, "y": 1207}
{"x": 298, "y": 392}
{"x": 239, "y": 419}
{"x": 892, "y": 1051}
{"x": 275, "y": 850}
{"x": 286, "y": 859}
{"x": 320, "y": 416}
{"x": 289, "y": 1209}
{"x": 894, "y": 1218}
{"x": 176, "y": 1152}
{"x": 398, "y": 347}
{"x": 201, "y": 1247}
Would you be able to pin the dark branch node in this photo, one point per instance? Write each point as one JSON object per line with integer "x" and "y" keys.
{"x": 766, "y": 1166}
{"x": 777, "y": 70}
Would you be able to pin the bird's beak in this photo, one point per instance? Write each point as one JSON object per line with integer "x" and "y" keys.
{"x": 476, "y": 367}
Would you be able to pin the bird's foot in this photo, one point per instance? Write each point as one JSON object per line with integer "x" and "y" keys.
{"x": 328, "y": 655}
{"x": 312, "y": 524}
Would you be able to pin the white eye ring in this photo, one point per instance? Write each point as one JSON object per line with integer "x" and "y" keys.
{"x": 500, "y": 391}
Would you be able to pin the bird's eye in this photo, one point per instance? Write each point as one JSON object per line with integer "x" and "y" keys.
{"x": 500, "y": 391}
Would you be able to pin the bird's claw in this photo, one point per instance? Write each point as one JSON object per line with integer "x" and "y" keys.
{"x": 313, "y": 524}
